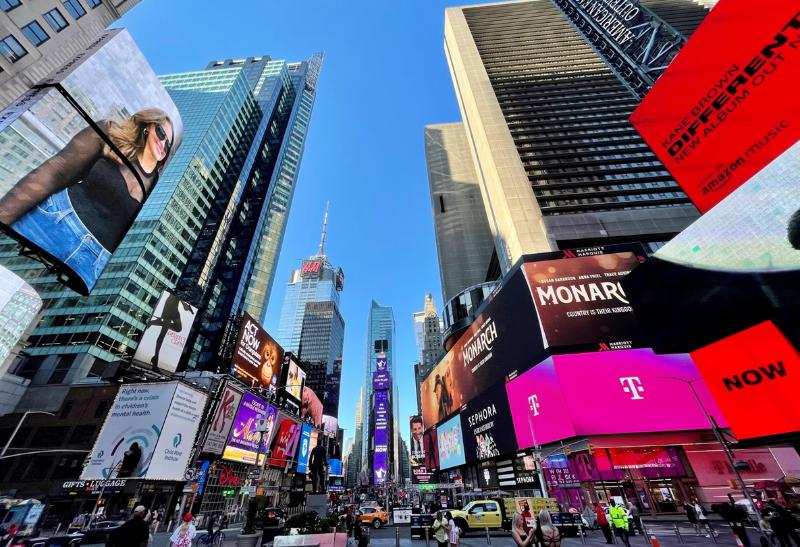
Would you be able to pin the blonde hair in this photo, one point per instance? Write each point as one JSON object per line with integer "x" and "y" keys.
{"x": 128, "y": 135}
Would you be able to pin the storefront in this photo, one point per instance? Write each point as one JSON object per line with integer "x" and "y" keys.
{"x": 107, "y": 498}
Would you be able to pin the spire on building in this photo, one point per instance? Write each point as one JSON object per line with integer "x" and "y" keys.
{"x": 321, "y": 251}
{"x": 430, "y": 306}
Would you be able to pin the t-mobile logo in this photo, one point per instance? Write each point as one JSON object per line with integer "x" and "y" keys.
{"x": 533, "y": 404}
{"x": 632, "y": 385}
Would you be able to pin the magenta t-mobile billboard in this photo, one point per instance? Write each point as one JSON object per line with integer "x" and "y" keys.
{"x": 626, "y": 391}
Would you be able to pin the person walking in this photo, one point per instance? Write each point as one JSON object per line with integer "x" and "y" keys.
{"x": 550, "y": 536}
{"x": 636, "y": 517}
{"x": 185, "y": 532}
{"x": 134, "y": 533}
{"x": 691, "y": 516}
{"x": 619, "y": 522}
{"x": 453, "y": 531}
{"x": 440, "y": 530}
{"x": 602, "y": 522}
{"x": 702, "y": 519}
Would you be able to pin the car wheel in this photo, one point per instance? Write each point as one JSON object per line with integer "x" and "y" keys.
{"x": 377, "y": 523}
{"x": 463, "y": 525}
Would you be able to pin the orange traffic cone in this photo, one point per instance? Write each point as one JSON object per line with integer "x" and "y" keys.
{"x": 655, "y": 541}
{"x": 738, "y": 541}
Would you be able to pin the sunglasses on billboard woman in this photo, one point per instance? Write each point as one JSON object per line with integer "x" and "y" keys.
{"x": 162, "y": 136}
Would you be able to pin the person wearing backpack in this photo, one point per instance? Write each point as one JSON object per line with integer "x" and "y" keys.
{"x": 185, "y": 532}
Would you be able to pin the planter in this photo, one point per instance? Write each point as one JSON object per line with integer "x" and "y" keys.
{"x": 247, "y": 540}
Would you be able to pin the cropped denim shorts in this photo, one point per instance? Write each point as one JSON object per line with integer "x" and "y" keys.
{"x": 54, "y": 226}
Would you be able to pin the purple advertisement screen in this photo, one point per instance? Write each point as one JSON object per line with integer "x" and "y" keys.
{"x": 242, "y": 444}
{"x": 381, "y": 436}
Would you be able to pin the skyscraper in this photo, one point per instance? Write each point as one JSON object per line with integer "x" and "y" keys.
{"x": 355, "y": 461}
{"x": 312, "y": 326}
{"x": 210, "y": 230}
{"x": 432, "y": 349}
{"x": 546, "y": 118}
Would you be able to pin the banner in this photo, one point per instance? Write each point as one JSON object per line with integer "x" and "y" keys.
{"x": 487, "y": 426}
{"x": 243, "y": 441}
{"x": 165, "y": 336}
{"x": 725, "y": 109}
{"x": 65, "y": 192}
{"x": 431, "y": 449}
{"x": 304, "y": 451}
{"x": 417, "y": 445}
{"x": 286, "y": 440}
{"x": 380, "y": 436}
{"x": 451, "y": 443}
{"x": 19, "y": 305}
{"x": 148, "y": 433}
{"x": 223, "y": 419}
{"x": 256, "y": 356}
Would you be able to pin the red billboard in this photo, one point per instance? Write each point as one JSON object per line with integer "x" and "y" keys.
{"x": 754, "y": 369}
{"x": 726, "y": 107}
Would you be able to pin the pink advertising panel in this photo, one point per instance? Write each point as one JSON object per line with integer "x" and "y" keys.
{"x": 578, "y": 394}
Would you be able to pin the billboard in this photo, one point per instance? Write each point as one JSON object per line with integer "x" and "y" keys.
{"x": 417, "y": 444}
{"x": 381, "y": 379}
{"x": 222, "y": 420}
{"x": 285, "y": 441}
{"x": 487, "y": 426}
{"x": 83, "y": 153}
{"x": 502, "y": 339}
{"x": 19, "y": 305}
{"x": 304, "y": 451}
{"x": 243, "y": 441}
{"x": 725, "y": 109}
{"x": 548, "y": 402}
{"x": 380, "y": 436}
{"x": 311, "y": 268}
{"x": 330, "y": 423}
{"x": 148, "y": 433}
{"x": 579, "y": 299}
{"x": 487, "y": 475}
{"x": 335, "y": 468}
{"x": 755, "y": 368}
{"x": 311, "y": 407}
{"x": 165, "y": 336}
{"x": 431, "y": 449}
{"x": 256, "y": 356}
{"x": 451, "y": 443}
{"x": 295, "y": 380}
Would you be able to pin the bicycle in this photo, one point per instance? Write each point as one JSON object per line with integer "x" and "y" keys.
{"x": 216, "y": 540}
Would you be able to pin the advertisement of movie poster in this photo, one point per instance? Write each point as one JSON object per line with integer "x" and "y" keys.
{"x": 487, "y": 426}
{"x": 65, "y": 191}
{"x": 223, "y": 420}
{"x": 580, "y": 301}
{"x": 725, "y": 109}
{"x": 504, "y": 338}
{"x": 243, "y": 441}
{"x": 148, "y": 433}
{"x": 165, "y": 336}
{"x": 19, "y": 305}
{"x": 417, "y": 443}
{"x": 451, "y": 443}
{"x": 285, "y": 441}
{"x": 304, "y": 451}
{"x": 257, "y": 358}
{"x": 311, "y": 407}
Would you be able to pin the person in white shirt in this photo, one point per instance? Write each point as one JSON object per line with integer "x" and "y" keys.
{"x": 454, "y": 532}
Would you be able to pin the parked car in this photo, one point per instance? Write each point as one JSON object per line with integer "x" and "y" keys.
{"x": 374, "y": 516}
{"x": 99, "y": 531}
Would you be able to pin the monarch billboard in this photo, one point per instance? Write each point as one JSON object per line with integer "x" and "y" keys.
{"x": 166, "y": 333}
{"x": 257, "y": 357}
{"x": 84, "y": 150}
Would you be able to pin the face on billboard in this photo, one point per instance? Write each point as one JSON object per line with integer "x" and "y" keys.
{"x": 19, "y": 304}
{"x": 723, "y": 109}
{"x": 304, "y": 451}
{"x": 222, "y": 421}
{"x": 286, "y": 440}
{"x": 417, "y": 440}
{"x": 165, "y": 337}
{"x": 451, "y": 443}
{"x": 243, "y": 441}
{"x": 487, "y": 426}
{"x": 581, "y": 303}
{"x": 67, "y": 193}
{"x": 755, "y": 368}
{"x": 257, "y": 358}
{"x": 502, "y": 339}
{"x": 295, "y": 378}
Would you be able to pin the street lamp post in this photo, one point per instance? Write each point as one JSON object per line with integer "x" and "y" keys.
{"x": 537, "y": 457}
{"x": 19, "y": 424}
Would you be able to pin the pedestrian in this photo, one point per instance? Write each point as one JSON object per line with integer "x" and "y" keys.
{"x": 550, "y": 536}
{"x": 588, "y": 518}
{"x": 223, "y": 525}
{"x": 134, "y": 533}
{"x": 184, "y": 534}
{"x": 636, "y": 517}
{"x": 453, "y": 531}
{"x": 602, "y": 522}
{"x": 440, "y": 530}
{"x": 521, "y": 536}
{"x": 766, "y": 530}
{"x": 619, "y": 522}
{"x": 782, "y": 523}
{"x": 702, "y": 519}
{"x": 692, "y": 516}
{"x": 527, "y": 518}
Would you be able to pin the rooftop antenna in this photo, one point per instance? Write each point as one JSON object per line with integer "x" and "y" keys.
{"x": 321, "y": 251}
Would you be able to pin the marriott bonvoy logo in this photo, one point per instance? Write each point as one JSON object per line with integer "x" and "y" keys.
{"x": 633, "y": 386}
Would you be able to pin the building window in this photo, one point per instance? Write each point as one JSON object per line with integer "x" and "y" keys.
{"x": 34, "y": 32}
{"x": 66, "y": 409}
{"x": 29, "y": 367}
{"x": 94, "y": 3}
{"x": 8, "y": 5}
{"x": 62, "y": 368}
{"x": 101, "y": 410}
{"x": 441, "y": 203}
{"x": 74, "y": 8}
{"x": 12, "y": 49}
{"x": 55, "y": 20}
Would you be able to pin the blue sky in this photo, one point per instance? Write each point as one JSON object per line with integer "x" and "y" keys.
{"x": 384, "y": 77}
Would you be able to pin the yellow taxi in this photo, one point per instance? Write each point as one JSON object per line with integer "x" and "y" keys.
{"x": 374, "y": 516}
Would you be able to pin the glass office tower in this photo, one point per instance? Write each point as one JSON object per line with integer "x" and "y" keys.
{"x": 211, "y": 230}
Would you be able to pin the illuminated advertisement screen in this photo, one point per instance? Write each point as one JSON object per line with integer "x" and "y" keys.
{"x": 381, "y": 436}
{"x": 304, "y": 451}
{"x": 243, "y": 441}
{"x": 487, "y": 426}
{"x": 81, "y": 159}
{"x": 420, "y": 474}
{"x": 222, "y": 420}
{"x": 285, "y": 441}
{"x": 451, "y": 443}
{"x": 431, "y": 449}
{"x": 164, "y": 338}
{"x": 755, "y": 368}
{"x": 725, "y": 109}
{"x": 311, "y": 407}
{"x": 503, "y": 338}
{"x": 257, "y": 358}
{"x": 548, "y": 402}
{"x": 335, "y": 468}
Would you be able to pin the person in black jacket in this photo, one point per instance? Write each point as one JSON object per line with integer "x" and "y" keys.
{"x": 134, "y": 533}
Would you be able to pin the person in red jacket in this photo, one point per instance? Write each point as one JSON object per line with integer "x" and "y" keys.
{"x": 602, "y": 522}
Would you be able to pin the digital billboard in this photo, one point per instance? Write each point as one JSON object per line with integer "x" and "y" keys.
{"x": 292, "y": 382}
{"x": 311, "y": 407}
{"x": 548, "y": 402}
{"x": 222, "y": 420}
{"x": 304, "y": 451}
{"x": 244, "y": 439}
{"x": 335, "y": 468}
{"x": 724, "y": 109}
{"x": 148, "y": 433}
{"x": 487, "y": 427}
{"x": 380, "y": 437}
{"x": 417, "y": 444}
{"x": 503, "y": 338}
{"x": 165, "y": 336}
{"x": 285, "y": 441}
{"x": 487, "y": 475}
{"x": 84, "y": 150}
{"x": 755, "y": 368}
{"x": 19, "y": 305}
{"x": 257, "y": 358}
{"x": 580, "y": 301}
{"x": 431, "y": 449}
{"x": 451, "y": 443}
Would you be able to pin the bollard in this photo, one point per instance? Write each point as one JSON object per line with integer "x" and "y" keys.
{"x": 678, "y": 532}
{"x": 397, "y": 536}
{"x": 580, "y": 533}
{"x": 427, "y": 537}
{"x": 488, "y": 537}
